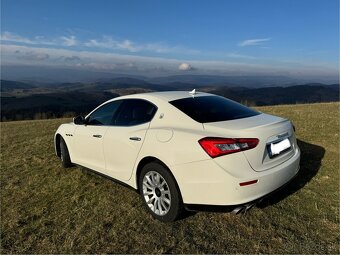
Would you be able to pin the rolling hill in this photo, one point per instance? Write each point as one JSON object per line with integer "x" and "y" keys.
{"x": 28, "y": 101}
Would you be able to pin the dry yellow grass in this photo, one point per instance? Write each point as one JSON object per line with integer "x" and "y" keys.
{"x": 46, "y": 209}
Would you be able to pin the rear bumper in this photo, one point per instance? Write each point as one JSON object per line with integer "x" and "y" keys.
{"x": 206, "y": 183}
{"x": 231, "y": 208}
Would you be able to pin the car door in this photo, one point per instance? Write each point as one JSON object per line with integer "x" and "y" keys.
{"x": 88, "y": 138}
{"x": 125, "y": 138}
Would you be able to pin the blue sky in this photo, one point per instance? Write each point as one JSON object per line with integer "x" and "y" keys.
{"x": 282, "y": 37}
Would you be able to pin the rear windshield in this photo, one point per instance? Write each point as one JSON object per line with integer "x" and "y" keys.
{"x": 212, "y": 109}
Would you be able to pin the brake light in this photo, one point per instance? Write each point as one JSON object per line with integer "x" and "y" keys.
{"x": 216, "y": 147}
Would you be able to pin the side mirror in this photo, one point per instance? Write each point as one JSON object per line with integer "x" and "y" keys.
{"x": 79, "y": 120}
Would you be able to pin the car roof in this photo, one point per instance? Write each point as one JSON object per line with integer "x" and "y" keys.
{"x": 166, "y": 95}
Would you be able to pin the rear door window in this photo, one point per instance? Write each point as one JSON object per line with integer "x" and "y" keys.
{"x": 135, "y": 112}
{"x": 206, "y": 109}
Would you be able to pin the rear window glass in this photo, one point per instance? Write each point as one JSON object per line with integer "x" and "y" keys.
{"x": 212, "y": 109}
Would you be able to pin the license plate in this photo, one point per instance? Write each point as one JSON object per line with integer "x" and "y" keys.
{"x": 277, "y": 148}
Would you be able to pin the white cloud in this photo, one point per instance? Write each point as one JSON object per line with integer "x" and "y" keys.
{"x": 127, "y": 45}
{"x": 11, "y": 54}
{"x": 11, "y": 37}
{"x": 252, "y": 42}
{"x": 236, "y": 55}
{"x": 69, "y": 41}
{"x": 94, "y": 43}
{"x": 151, "y": 66}
{"x": 108, "y": 42}
{"x": 163, "y": 48}
{"x": 14, "y": 38}
{"x": 105, "y": 42}
{"x": 157, "y": 47}
{"x": 185, "y": 67}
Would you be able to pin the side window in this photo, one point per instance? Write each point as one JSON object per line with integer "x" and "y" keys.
{"x": 104, "y": 115}
{"x": 135, "y": 112}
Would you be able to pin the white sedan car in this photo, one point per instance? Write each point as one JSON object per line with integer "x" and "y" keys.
{"x": 183, "y": 148}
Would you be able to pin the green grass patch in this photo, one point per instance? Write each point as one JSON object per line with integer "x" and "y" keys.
{"x": 47, "y": 209}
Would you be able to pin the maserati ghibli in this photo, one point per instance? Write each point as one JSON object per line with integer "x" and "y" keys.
{"x": 180, "y": 149}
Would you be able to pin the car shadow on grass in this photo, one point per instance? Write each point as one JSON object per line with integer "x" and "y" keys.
{"x": 310, "y": 163}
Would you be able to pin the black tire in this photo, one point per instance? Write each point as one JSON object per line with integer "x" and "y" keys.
{"x": 176, "y": 205}
{"x": 64, "y": 155}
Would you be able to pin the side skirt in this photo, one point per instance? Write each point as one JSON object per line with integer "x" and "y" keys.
{"x": 107, "y": 177}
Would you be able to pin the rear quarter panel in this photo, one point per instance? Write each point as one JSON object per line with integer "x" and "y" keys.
{"x": 172, "y": 138}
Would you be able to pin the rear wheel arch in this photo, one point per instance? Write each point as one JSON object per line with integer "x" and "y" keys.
{"x": 147, "y": 160}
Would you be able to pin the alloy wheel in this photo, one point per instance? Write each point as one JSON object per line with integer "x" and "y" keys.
{"x": 156, "y": 193}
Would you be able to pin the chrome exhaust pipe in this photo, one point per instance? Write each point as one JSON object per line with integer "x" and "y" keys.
{"x": 248, "y": 207}
{"x": 243, "y": 208}
{"x": 238, "y": 209}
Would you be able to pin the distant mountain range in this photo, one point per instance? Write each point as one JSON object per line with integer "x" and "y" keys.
{"x": 25, "y": 100}
{"x": 55, "y": 75}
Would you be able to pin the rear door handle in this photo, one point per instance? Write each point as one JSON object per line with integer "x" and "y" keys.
{"x": 135, "y": 138}
{"x": 97, "y": 136}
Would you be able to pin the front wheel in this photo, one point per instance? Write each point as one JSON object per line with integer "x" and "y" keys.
{"x": 160, "y": 193}
{"x": 64, "y": 154}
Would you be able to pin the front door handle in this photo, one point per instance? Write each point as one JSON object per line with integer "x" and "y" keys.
{"x": 97, "y": 136}
{"x": 135, "y": 138}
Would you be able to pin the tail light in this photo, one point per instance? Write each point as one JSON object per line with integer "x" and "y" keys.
{"x": 216, "y": 147}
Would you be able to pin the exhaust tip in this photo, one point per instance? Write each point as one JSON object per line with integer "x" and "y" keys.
{"x": 238, "y": 210}
{"x": 248, "y": 207}
{"x": 243, "y": 208}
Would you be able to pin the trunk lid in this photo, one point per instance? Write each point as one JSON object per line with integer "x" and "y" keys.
{"x": 267, "y": 128}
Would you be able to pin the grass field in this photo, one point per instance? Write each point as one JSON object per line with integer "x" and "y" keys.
{"x": 47, "y": 209}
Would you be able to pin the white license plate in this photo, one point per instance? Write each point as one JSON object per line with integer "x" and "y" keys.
{"x": 277, "y": 148}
